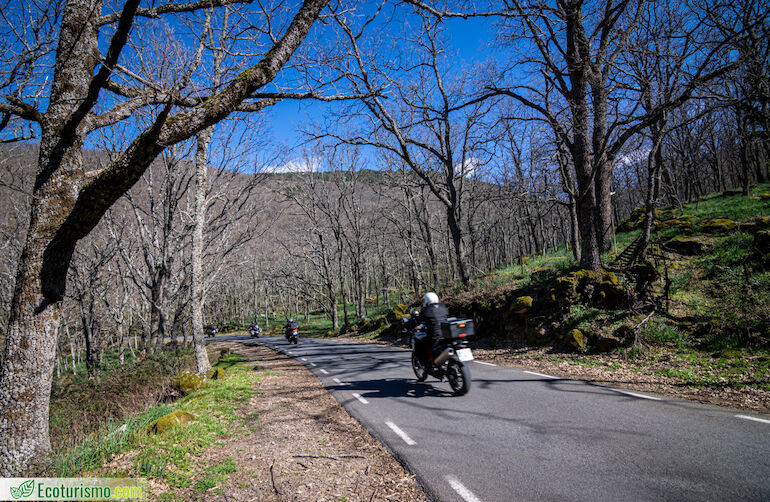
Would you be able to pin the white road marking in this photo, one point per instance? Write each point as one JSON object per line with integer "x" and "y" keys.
{"x": 488, "y": 364}
{"x": 358, "y": 396}
{"x": 312, "y": 364}
{"x": 642, "y": 396}
{"x": 290, "y": 352}
{"x": 324, "y": 371}
{"x": 634, "y": 394}
{"x": 403, "y": 435}
{"x": 755, "y": 419}
{"x": 338, "y": 381}
{"x": 540, "y": 374}
{"x": 303, "y": 358}
{"x": 461, "y": 490}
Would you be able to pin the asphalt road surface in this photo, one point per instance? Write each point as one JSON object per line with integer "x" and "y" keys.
{"x": 523, "y": 436}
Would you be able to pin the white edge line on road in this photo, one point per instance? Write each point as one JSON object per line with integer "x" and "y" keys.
{"x": 290, "y": 352}
{"x": 338, "y": 381}
{"x": 488, "y": 364}
{"x": 461, "y": 490}
{"x": 358, "y": 396}
{"x": 634, "y": 394}
{"x": 324, "y": 371}
{"x": 303, "y": 358}
{"x": 755, "y": 419}
{"x": 628, "y": 393}
{"x": 312, "y": 364}
{"x": 403, "y": 435}
{"x": 541, "y": 374}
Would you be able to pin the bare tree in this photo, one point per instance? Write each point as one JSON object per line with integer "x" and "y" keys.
{"x": 68, "y": 203}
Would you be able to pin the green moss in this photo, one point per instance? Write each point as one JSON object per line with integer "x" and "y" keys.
{"x": 169, "y": 421}
{"x": 688, "y": 246}
{"x": 521, "y": 305}
{"x": 718, "y": 225}
{"x": 217, "y": 374}
{"x": 189, "y": 381}
{"x": 576, "y": 339}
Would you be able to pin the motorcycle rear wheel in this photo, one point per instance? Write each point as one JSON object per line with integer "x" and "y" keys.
{"x": 419, "y": 370}
{"x": 459, "y": 377}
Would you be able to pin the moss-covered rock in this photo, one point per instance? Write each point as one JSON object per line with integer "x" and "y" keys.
{"x": 718, "y": 225}
{"x": 610, "y": 293}
{"x": 634, "y": 221}
{"x": 762, "y": 242}
{"x": 606, "y": 343}
{"x": 625, "y": 334}
{"x": 169, "y": 421}
{"x": 218, "y": 374}
{"x": 576, "y": 340}
{"x": 688, "y": 246}
{"x": 188, "y": 382}
{"x": 521, "y": 305}
{"x": 399, "y": 312}
{"x": 764, "y": 196}
{"x": 683, "y": 222}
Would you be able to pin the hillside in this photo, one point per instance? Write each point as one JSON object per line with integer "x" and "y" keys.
{"x": 693, "y": 320}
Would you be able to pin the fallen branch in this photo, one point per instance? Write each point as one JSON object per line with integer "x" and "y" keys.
{"x": 332, "y": 457}
{"x": 272, "y": 478}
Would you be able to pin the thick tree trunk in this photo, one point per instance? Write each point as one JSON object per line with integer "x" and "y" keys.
{"x": 457, "y": 245}
{"x": 196, "y": 286}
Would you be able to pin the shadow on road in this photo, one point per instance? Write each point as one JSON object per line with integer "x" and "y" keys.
{"x": 393, "y": 387}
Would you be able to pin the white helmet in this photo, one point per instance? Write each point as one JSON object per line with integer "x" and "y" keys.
{"x": 429, "y": 299}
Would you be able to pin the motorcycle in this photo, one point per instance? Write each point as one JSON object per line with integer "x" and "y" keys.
{"x": 292, "y": 333}
{"x": 447, "y": 357}
{"x": 255, "y": 332}
{"x": 211, "y": 331}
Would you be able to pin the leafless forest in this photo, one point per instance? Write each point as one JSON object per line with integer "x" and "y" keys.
{"x": 141, "y": 197}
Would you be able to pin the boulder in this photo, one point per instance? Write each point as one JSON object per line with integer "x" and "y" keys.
{"x": 606, "y": 343}
{"x": 762, "y": 242}
{"x": 625, "y": 334}
{"x": 188, "y": 382}
{"x": 399, "y": 312}
{"x": 169, "y": 421}
{"x": 764, "y": 196}
{"x": 634, "y": 221}
{"x": 521, "y": 305}
{"x": 688, "y": 246}
{"x": 576, "y": 340}
{"x": 718, "y": 225}
{"x": 217, "y": 374}
{"x": 683, "y": 222}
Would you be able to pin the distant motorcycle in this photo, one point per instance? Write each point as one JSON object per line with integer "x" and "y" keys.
{"x": 292, "y": 332}
{"x": 211, "y": 330}
{"x": 255, "y": 331}
{"x": 447, "y": 357}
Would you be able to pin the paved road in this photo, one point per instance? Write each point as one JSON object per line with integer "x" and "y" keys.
{"x": 521, "y": 436}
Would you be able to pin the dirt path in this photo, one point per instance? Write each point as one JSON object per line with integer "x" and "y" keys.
{"x": 304, "y": 445}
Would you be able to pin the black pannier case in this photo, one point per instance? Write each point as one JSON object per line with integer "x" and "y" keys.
{"x": 457, "y": 328}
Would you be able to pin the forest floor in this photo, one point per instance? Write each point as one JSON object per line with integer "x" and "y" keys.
{"x": 285, "y": 438}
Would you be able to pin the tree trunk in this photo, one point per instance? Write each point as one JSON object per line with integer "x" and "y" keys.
{"x": 196, "y": 285}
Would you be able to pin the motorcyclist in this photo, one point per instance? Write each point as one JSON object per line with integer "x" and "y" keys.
{"x": 211, "y": 330}
{"x": 290, "y": 325}
{"x": 432, "y": 314}
{"x": 254, "y": 329}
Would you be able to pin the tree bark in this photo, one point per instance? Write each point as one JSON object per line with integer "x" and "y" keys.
{"x": 196, "y": 286}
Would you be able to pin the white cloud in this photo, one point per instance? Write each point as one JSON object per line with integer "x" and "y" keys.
{"x": 468, "y": 168}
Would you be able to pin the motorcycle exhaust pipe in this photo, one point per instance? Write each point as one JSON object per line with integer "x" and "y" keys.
{"x": 448, "y": 352}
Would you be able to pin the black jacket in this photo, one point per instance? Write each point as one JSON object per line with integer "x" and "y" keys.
{"x": 433, "y": 315}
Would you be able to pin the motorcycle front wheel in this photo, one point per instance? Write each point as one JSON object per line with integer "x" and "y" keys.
{"x": 419, "y": 370}
{"x": 459, "y": 377}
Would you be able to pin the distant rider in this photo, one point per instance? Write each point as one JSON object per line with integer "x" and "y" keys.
{"x": 290, "y": 325}
{"x": 254, "y": 329}
{"x": 432, "y": 315}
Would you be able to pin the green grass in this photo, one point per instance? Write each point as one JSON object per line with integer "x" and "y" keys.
{"x": 172, "y": 456}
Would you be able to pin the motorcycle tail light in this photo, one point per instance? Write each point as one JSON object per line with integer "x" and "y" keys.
{"x": 461, "y": 335}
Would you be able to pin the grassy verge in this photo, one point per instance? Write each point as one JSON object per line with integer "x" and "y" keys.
{"x": 171, "y": 459}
